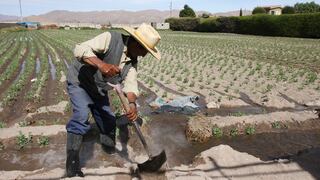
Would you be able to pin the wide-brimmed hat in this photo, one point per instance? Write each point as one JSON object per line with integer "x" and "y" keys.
{"x": 147, "y": 36}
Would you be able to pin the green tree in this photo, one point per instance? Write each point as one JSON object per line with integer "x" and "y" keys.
{"x": 288, "y": 10}
{"x": 240, "y": 12}
{"x": 259, "y": 10}
{"x": 187, "y": 12}
{"x": 308, "y": 7}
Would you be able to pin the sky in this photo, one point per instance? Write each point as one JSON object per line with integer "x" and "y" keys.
{"x": 36, "y": 7}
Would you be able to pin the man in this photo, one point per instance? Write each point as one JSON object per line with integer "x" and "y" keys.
{"x": 109, "y": 57}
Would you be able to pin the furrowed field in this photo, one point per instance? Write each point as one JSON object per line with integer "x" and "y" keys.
{"x": 246, "y": 84}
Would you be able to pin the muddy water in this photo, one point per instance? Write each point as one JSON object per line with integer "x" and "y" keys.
{"x": 167, "y": 131}
{"x": 38, "y": 66}
{"x": 66, "y": 63}
{"x": 22, "y": 68}
{"x": 52, "y": 68}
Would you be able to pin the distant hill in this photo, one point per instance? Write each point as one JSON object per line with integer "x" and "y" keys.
{"x": 105, "y": 17}
{"x": 4, "y": 18}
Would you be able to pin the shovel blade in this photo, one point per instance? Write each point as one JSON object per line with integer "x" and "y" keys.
{"x": 154, "y": 163}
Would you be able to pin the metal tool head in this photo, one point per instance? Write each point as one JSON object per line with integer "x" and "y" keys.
{"x": 154, "y": 163}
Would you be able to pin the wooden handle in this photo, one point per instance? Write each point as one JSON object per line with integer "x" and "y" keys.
{"x": 124, "y": 101}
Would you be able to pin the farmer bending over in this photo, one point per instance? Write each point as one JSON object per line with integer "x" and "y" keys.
{"x": 109, "y": 57}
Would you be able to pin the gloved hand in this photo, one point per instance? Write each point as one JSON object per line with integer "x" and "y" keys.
{"x": 133, "y": 113}
{"x": 108, "y": 70}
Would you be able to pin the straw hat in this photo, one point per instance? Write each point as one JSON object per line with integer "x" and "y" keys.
{"x": 147, "y": 36}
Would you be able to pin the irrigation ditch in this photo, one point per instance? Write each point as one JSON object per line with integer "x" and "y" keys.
{"x": 297, "y": 141}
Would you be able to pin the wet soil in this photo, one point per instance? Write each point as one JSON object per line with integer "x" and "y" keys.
{"x": 167, "y": 131}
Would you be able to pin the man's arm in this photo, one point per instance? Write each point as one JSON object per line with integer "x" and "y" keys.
{"x": 106, "y": 69}
{"x": 131, "y": 90}
{"x": 87, "y": 50}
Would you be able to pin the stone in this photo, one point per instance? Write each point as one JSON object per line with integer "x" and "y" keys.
{"x": 213, "y": 105}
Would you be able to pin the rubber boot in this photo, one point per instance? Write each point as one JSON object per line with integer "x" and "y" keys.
{"x": 108, "y": 142}
{"x": 73, "y": 162}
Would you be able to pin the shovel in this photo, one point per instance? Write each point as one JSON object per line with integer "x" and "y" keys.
{"x": 154, "y": 163}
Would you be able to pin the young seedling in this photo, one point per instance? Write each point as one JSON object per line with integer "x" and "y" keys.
{"x": 233, "y": 132}
{"x": 43, "y": 141}
{"x": 1, "y": 146}
{"x": 217, "y": 132}
{"x": 276, "y": 125}
{"x": 22, "y": 140}
{"x": 250, "y": 130}
{"x": 2, "y": 124}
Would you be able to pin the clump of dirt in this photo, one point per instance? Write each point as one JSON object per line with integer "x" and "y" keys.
{"x": 198, "y": 129}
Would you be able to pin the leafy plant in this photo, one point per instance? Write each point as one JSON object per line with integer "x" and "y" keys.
{"x": 22, "y": 140}
{"x": 238, "y": 114}
{"x": 234, "y": 132}
{"x": 250, "y": 130}
{"x": 43, "y": 141}
{"x": 1, "y": 146}
{"x": 217, "y": 132}
{"x": 2, "y": 124}
{"x": 276, "y": 125}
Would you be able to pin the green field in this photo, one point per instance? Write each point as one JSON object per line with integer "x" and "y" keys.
{"x": 191, "y": 62}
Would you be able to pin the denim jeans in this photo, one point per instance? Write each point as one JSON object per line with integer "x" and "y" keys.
{"x": 82, "y": 105}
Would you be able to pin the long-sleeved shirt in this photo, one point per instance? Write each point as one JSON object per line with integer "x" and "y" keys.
{"x": 100, "y": 44}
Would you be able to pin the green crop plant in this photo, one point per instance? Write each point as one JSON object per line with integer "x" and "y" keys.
{"x": 250, "y": 130}
{"x": 192, "y": 83}
{"x": 276, "y": 125}
{"x": 311, "y": 77}
{"x": 234, "y": 132}
{"x": 165, "y": 94}
{"x": 238, "y": 114}
{"x": 2, "y": 124}
{"x": 1, "y": 146}
{"x": 23, "y": 140}
{"x": 24, "y": 123}
{"x": 43, "y": 141}
{"x": 185, "y": 80}
{"x": 217, "y": 132}
{"x": 161, "y": 78}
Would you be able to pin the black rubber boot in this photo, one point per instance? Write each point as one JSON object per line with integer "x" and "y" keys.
{"x": 108, "y": 142}
{"x": 73, "y": 162}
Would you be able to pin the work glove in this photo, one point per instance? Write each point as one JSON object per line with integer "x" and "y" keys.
{"x": 108, "y": 70}
{"x": 133, "y": 113}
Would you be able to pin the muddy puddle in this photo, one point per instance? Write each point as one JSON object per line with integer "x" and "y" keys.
{"x": 52, "y": 68}
{"x": 38, "y": 66}
{"x": 167, "y": 131}
{"x": 22, "y": 68}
